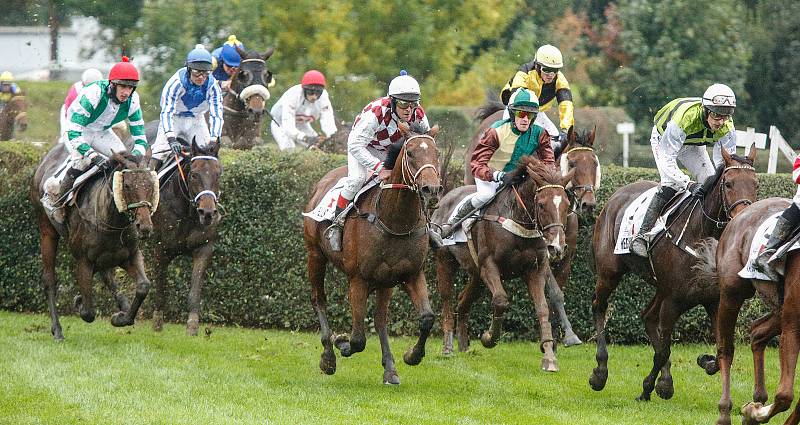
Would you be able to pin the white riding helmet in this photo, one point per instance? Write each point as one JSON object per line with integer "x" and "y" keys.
{"x": 719, "y": 99}
{"x": 91, "y": 75}
{"x": 549, "y": 56}
{"x": 404, "y": 87}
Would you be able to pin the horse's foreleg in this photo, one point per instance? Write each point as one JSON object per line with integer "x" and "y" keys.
{"x": 650, "y": 316}
{"x": 135, "y": 269}
{"x": 84, "y": 272}
{"x": 708, "y": 362}
{"x": 201, "y": 257}
{"x": 761, "y": 332}
{"x": 467, "y": 296}
{"x": 536, "y": 283}
{"x": 730, "y": 302}
{"x": 555, "y": 302}
{"x": 383, "y": 296}
{"x": 561, "y": 275}
{"x": 491, "y": 277}
{"x": 49, "y": 249}
{"x": 357, "y": 341}
{"x": 668, "y": 315}
{"x": 445, "y": 271}
{"x": 110, "y": 281}
{"x": 161, "y": 263}
{"x": 417, "y": 290}
{"x": 319, "y": 300}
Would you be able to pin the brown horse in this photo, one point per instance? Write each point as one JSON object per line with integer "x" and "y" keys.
{"x": 669, "y": 268}
{"x": 187, "y": 224}
{"x": 540, "y": 205}
{"x": 385, "y": 243}
{"x": 731, "y": 254}
{"x": 14, "y": 115}
{"x": 102, "y": 232}
{"x": 244, "y": 104}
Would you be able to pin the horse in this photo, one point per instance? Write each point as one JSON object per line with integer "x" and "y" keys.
{"x": 187, "y": 224}
{"x": 111, "y": 214}
{"x": 14, "y": 115}
{"x": 731, "y": 189}
{"x": 540, "y": 206}
{"x": 722, "y": 262}
{"x": 244, "y": 104}
{"x": 578, "y": 154}
{"x": 384, "y": 244}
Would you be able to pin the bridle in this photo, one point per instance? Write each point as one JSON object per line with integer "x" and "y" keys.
{"x": 724, "y": 207}
{"x": 205, "y": 192}
{"x": 585, "y": 188}
{"x": 236, "y": 95}
{"x": 535, "y": 217}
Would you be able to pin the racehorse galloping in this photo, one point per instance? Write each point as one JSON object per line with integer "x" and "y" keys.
{"x": 187, "y": 224}
{"x": 102, "y": 232}
{"x": 244, "y": 104}
{"x": 669, "y": 268}
{"x": 14, "y": 115}
{"x": 540, "y": 206}
{"x": 385, "y": 244}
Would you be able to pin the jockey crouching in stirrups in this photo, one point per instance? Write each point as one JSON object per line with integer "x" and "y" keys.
{"x": 374, "y": 131}
{"x": 498, "y": 152}
{"x": 188, "y": 94}
{"x": 89, "y": 138}
{"x": 683, "y": 128}
{"x": 784, "y": 227}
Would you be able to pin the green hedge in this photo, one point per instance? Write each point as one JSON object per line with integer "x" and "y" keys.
{"x": 258, "y": 275}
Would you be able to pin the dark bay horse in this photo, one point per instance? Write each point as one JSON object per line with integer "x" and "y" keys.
{"x": 669, "y": 268}
{"x": 102, "y": 232}
{"x": 540, "y": 205}
{"x": 244, "y": 104}
{"x": 14, "y": 115}
{"x": 187, "y": 223}
{"x": 724, "y": 261}
{"x": 384, "y": 244}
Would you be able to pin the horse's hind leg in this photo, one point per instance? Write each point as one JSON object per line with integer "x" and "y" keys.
{"x": 200, "y": 259}
{"x": 561, "y": 273}
{"x": 555, "y": 302}
{"x": 319, "y": 300}
{"x": 357, "y": 340}
{"x": 604, "y": 287}
{"x": 467, "y": 296}
{"x": 669, "y": 312}
{"x": 650, "y": 316}
{"x": 445, "y": 270}
{"x": 383, "y": 296}
{"x": 730, "y": 302}
{"x": 161, "y": 263}
{"x": 417, "y": 290}
{"x": 110, "y": 281}
{"x": 49, "y": 247}
{"x": 761, "y": 332}
{"x": 490, "y": 275}
{"x": 135, "y": 269}
{"x": 536, "y": 283}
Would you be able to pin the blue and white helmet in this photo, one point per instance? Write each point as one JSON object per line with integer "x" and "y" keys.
{"x": 199, "y": 58}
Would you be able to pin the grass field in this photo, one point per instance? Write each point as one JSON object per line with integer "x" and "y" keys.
{"x": 101, "y": 374}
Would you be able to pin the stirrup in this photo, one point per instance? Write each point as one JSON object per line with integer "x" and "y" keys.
{"x": 334, "y": 236}
{"x": 435, "y": 239}
{"x": 640, "y": 246}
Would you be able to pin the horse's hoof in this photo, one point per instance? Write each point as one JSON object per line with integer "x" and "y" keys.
{"x": 570, "y": 340}
{"x": 665, "y": 389}
{"x": 327, "y": 363}
{"x": 750, "y": 413}
{"x": 643, "y": 397}
{"x": 487, "y": 341}
{"x": 598, "y": 379}
{"x": 463, "y": 342}
{"x": 447, "y": 345}
{"x": 342, "y": 342}
{"x": 88, "y": 316}
{"x": 118, "y": 319}
{"x": 708, "y": 363}
{"x": 549, "y": 365}
{"x": 413, "y": 357}
{"x": 58, "y": 336}
{"x": 158, "y": 321}
{"x": 390, "y": 378}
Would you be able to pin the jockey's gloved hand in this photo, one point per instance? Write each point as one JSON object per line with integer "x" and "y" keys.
{"x": 508, "y": 179}
{"x": 696, "y": 189}
{"x": 100, "y": 162}
{"x": 176, "y": 147}
{"x": 498, "y": 176}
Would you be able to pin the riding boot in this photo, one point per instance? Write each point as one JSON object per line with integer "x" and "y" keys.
{"x": 155, "y": 164}
{"x": 57, "y": 207}
{"x": 449, "y": 228}
{"x": 640, "y": 244}
{"x": 783, "y": 229}
{"x": 334, "y": 232}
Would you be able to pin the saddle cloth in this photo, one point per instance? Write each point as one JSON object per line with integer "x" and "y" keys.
{"x": 459, "y": 235}
{"x": 634, "y": 215}
{"x": 326, "y": 208}
{"x": 49, "y": 185}
{"x": 760, "y": 239}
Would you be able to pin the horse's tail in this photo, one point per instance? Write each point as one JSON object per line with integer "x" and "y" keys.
{"x": 706, "y": 267}
{"x": 492, "y": 105}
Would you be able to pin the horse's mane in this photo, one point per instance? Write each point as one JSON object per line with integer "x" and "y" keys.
{"x": 545, "y": 172}
{"x": 492, "y": 105}
{"x": 416, "y": 127}
{"x": 711, "y": 181}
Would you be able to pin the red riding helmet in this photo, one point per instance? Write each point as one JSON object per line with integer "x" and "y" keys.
{"x": 124, "y": 73}
{"x": 313, "y": 78}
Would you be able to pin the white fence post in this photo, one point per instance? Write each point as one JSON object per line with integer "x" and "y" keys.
{"x": 625, "y": 129}
{"x": 777, "y": 143}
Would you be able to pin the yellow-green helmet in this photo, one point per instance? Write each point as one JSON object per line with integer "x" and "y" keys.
{"x": 6, "y": 77}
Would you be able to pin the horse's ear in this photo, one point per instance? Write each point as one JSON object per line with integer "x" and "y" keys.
{"x": 590, "y": 142}
{"x": 148, "y": 153}
{"x": 433, "y": 131}
{"x": 726, "y": 156}
{"x": 269, "y": 53}
{"x": 568, "y": 177}
{"x": 215, "y": 149}
{"x": 752, "y": 155}
{"x": 404, "y": 128}
{"x": 194, "y": 146}
{"x": 240, "y": 51}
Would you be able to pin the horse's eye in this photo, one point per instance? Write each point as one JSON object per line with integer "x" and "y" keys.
{"x": 571, "y": 163}
{"x": 728, "y": 185}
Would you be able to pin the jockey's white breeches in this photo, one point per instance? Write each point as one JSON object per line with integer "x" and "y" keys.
{"x": 542, "y": 120}
{"x": 104, "y": 142}
{"x": 486, "y": 191}
{"x": 357, "y": 175}
{"x": 284, "y": 141}
{"x": 187, "y": 128}
{"x": 694, "y": 158}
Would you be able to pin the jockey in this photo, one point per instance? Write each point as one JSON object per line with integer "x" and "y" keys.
{"x": 374, "y": 131}
{"x": 8, "y": 88}
{"x": 298, "y": 108}
{"x": 87, "y": 77}
{"x": 89, "y": 138}
{"x": 226, "y": 61}
{"x": 784, "y": 227}
{"x": 186, "y": 97}
{"x": 499, "y": 150}
{"x": 683, "y": 128}
{"x": 543, "y": 77}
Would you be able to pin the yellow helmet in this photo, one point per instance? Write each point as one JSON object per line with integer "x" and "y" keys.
{"x": 6, "y": 77}
{"x": 549, "y": 56}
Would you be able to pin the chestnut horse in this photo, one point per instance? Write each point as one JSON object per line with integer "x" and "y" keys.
{"x": 724, "y": 261}
{"x": 14, "y": 115}
{"x": 244, "y": 104}
{"x": 102, "y": 232}
{"x": 540, "y": 206}
{"x": 384, "y": 244}
{"x": 187, "y": 224}
{"x": 669, "y": 268}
